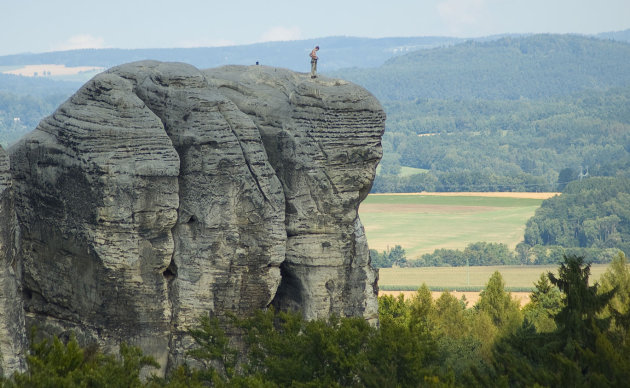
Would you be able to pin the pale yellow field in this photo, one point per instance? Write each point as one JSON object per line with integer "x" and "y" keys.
{"x": 472, "y": 297}
{"x": 473, "y": 276}
{"x": 50, "y": 70}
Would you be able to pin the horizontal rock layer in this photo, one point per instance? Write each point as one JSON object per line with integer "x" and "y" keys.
{"x": 159, "y": 192}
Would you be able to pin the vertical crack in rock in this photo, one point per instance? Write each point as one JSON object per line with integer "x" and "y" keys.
{"x": 247, "y": 161}
{"x": 12, "y": 333}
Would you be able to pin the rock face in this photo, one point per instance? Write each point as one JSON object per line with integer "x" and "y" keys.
{"x": 323, "y": 140}
{"x": 12, "y": 333}
{"x": 159, "y": 192}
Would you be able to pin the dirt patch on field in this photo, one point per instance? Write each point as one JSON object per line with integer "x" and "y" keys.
{"x": 471, "y": 297}
{"x": 482, "y": 194}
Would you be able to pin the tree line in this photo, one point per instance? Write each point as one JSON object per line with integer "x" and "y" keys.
{"x": 479, "y": 253}
{"x": 571, "y": 333}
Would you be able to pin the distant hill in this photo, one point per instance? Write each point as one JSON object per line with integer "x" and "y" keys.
{"x": 503, "y": 115}
{"x": 498, "y": 113}
{"x": 510, "y": 68}
{"x": 335, "y": 53}
{"x": 29, "y": 99}
{"x": 623, "y": 36}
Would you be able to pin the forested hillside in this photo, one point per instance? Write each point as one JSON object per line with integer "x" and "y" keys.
{"x": 336, "y": 53}
{"x": 24, "y": 101}
{"x": 591, "y": 217}
{"x": 506, "y": 115}
{"x": 530, "y": 67}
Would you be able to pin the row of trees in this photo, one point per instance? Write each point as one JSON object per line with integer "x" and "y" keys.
{"x": 571, "y": 333}
{"x": 479, "y": 253}
{"x": 436, "y": 181}
{"x": 484, "y": 253}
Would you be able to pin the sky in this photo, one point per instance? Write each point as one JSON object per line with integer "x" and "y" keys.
{"x": 52, "y": 25}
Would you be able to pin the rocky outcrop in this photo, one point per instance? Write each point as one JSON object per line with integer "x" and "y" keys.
{"x": 323, "y": 139}
{"x": 12, "y": 333}
{"x": 159, "y": 192}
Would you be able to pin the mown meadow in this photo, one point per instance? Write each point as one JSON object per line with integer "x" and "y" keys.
{"x": 422, "y": 223}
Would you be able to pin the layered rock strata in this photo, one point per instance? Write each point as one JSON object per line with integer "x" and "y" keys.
{"x": 323, "y": 139}
{"x": 158, "y": 193}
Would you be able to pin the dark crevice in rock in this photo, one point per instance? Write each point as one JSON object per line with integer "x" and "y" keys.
{"x": 170, "y": 273}
{"x": 289, "y": 294}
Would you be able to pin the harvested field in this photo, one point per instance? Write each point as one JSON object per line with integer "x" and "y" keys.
{"x": 50, "y": 70}
{"x": 472, "y": 297}
{"x": 453, "y": 278}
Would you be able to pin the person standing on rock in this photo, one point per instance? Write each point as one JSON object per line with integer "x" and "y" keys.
{"x": 314, "y": 58}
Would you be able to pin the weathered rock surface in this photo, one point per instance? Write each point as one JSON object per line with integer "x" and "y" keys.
{"x": 12, "y": 331}
{"x": 159, "y": 192}
{"x": 323, "y": 138}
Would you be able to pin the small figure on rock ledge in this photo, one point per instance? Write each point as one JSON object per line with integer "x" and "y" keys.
{"x": 314, "y": 58}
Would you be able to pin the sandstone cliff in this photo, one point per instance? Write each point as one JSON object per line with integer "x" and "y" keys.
{"x": 160, "y": 192}
{"x": 12, "y": 330}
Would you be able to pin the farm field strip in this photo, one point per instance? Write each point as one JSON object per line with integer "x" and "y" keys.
{"x": 472, "y": 297}
{"x": 515, "y": 276}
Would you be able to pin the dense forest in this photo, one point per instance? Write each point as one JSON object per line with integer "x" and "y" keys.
{"x": 570, "y": 334}
{"x": 21, "y": 113}
{"x": 592, "y": 215}
{"x": 511, "y": 68}
{"x": 24, "y": 101}
{"x": 503, "y": 115}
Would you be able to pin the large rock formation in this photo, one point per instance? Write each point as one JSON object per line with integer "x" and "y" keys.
{"x": 159, "y": 192}
{"x": 323, "y": 140}
{"x": 12, "y": 333}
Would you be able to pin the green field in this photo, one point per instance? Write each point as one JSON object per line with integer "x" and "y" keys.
{"x": 423, "y": 223}
{"x": 456, "y": 278}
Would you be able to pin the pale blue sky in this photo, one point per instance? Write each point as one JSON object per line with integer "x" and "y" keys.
{"x": 48, "y": 25}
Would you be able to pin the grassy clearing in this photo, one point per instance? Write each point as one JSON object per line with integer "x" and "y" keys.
{"x": 517, "y": 278}
{"x": 408, "y": 171}
{"x": 422, "y": 223}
